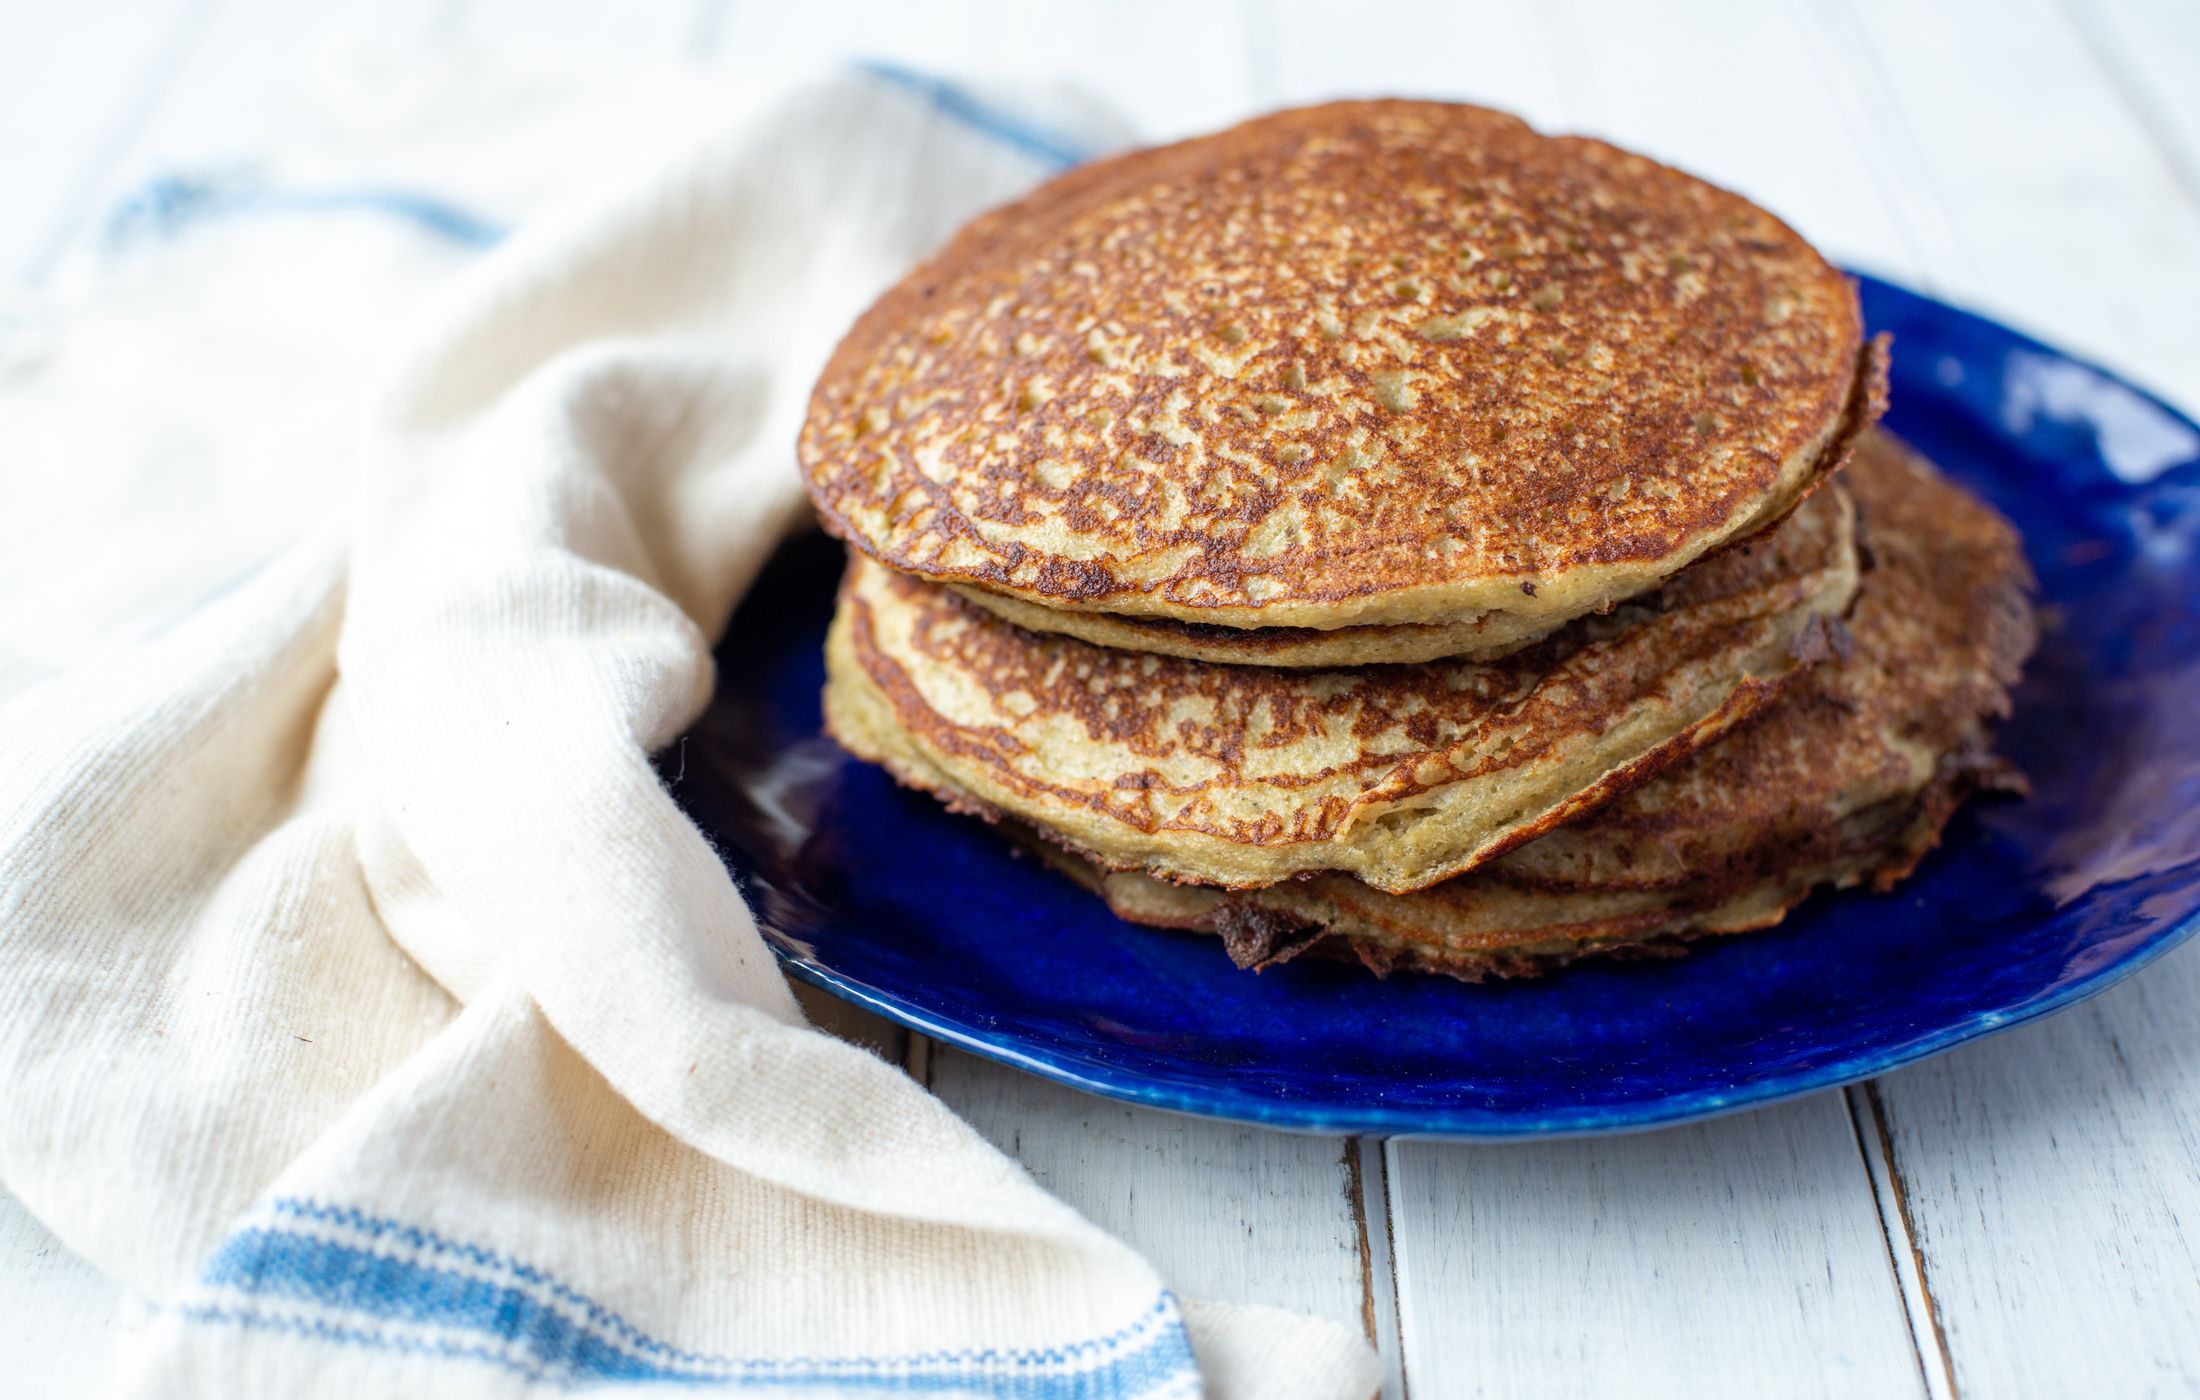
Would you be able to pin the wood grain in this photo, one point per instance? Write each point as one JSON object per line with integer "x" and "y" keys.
{"x": 1890, "y": 1194}
{"x": 1793, "y": 154}
{"x": 2148, "y": 50}
{"x": 2048, "y": 1179}
{"x": 1741, "y": 1257}
{"x": 2064, "y": 216}
{"x": 1170, "y": 69}
{"x": 2053, "y": 1179}
{"x": 650, "y": 30}
{"x": 1480, "y": 51}
{"x": 1225, "y": 1211}
{"x": 1378, "y": 1250}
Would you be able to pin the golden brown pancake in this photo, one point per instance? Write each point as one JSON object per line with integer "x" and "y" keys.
{"x": 1362, "y": 364}
{"x": 1474, "y": 637}
{"x": 1848, "y": 778}
{"x": 1480, "y": 637}
{"x": 1401, "y": 775}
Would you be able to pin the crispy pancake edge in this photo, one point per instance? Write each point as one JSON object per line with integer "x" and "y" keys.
{"x": 1332, "y": 589}
{"x": 1398, "y": 834}
{"x": 1974, "y": 557}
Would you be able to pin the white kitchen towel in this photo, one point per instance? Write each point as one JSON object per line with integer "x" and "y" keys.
{"x": 366, "y": 1003}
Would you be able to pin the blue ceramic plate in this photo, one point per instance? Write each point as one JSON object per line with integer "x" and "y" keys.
{"x": 882, "y": 897}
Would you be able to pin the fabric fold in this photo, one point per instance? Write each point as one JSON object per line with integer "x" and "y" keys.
{"x": 373, "y": 1009}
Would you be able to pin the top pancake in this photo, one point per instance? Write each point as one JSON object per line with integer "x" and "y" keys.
{"x": 1365, "y": 363}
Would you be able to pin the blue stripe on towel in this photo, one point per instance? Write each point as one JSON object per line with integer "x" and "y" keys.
{"x": 460, "y": 1300}
{"x": 1031, "y": 137}
{"x": 167, "y": 204}
{"x": 339, "y": 1275}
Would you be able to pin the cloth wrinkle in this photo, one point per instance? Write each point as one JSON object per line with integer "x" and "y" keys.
{"x": 368, "y": 1004}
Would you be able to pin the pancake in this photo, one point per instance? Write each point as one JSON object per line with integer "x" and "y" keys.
{"x": 1370, "y": 363}
{"x": 1480, "y": 637}
{"x": 1847, "y": 779}
{"x": 1474, "y": 637}
{"x": 1401, "y": 775}
{"x": 1484, "y": 925}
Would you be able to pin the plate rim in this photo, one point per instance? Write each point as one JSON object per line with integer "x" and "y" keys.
{"x": 1469, "y": 1123}
{"x": 1466, "y": 1123}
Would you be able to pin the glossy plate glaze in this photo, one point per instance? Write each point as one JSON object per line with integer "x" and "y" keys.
{"x": 931, "y": 920}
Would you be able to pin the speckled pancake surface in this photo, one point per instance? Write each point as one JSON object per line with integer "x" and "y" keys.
{"x": 1847, "y": 778}
{"x": 1400, "y": 775}
{"x": 1359, "y": 364}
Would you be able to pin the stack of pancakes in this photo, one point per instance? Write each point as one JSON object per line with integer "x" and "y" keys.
{"x": 1382, "y": 529}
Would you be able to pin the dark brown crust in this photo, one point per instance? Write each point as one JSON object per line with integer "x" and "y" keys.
{"x": 1257, "y": 938}
{"x": 1880, "y": 863}
{"x": 1340, "y": 364}
{"x": 1284, "y": 646}
{"x": 1824, "y": 788}
{"x": 1867, "y": 404}
{"x": 1574, "y": 684}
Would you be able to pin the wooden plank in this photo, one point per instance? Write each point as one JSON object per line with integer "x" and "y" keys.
{"x": 1318, "y": 50}
{"x": 2065, "y": 217}
{"x": 1935, "y": 258}
{"x": 2150, "y": 50}
{"x": 1929, "y": 1342}
{"x": 1378, "y": 1248}
{"x": 1666, "y": 81}
{"x": 2047, "y": 1178}
{"x": 1657, "y": 79}
{"x": 783, "y": 39}
{"x": 2053, "y": 1180}
{"x": 1741, "y": 1257}
{"x": 626, "y": 32}
{"x": 1224, "y": 1211}
{"x": 1167, "y": 69}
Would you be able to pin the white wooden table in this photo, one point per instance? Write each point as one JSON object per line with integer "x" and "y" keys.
{"x": 2019, "y": 1218}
